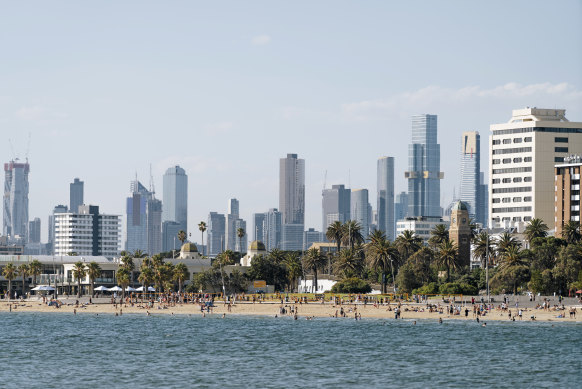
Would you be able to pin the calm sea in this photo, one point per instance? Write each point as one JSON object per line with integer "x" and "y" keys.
{"x": 130, "y": 351}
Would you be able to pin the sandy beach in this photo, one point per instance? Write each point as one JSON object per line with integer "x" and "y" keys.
{"x": 411, "y": 311}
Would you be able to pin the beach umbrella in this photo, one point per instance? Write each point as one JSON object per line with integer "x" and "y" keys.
{"x": 115, "y": 289}
{"x": 130, "y": 289}
{"x": 579, "y": 291}
{"x": 46, "y": 287}
{"x": 36, "y": 288}
{"x": 151, "y": 289}
{"x": 101, "y": 289}
{"x": 140, "y": 289}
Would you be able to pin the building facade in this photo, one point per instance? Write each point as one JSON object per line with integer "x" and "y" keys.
{"x": 522, "y": 157}
{"x": 292, "y": 200}
{"x": 268, "y": 228}
{"x": 170, "y": 230}
{"x": 76, "y": 193}
{"x": 16, "y": 200}
{"x": 421, "y": 226}
{"x": 470, "y": 189}
{"x": 312, "y": 236}
{"x": 175, "y": 197}
{"x": 424, "y": 162}
{"x": 360, "y": 209}
{"x": 385, "y": 198}
{"x": 460, "y": 232}
{"x": 34, "y": 230}
{"x": 144, "y": 221}
{"x": 216, "y": 233}
{"x": 567, "y": 193}
{"x": 335, "y": 205}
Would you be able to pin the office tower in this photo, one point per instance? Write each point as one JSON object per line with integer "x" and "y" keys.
{"x": 16, "y": 200}
{"x": 231, "y": 217}
{"x": 240, "y": 242}
{"x": 76, "y": 189}
{"x": 268, "y": 228}
{"x": 359, "y": 209}
{"x": 521, "y": 164}
{"x": 385, "y": 204}
{"x": 400, "y": 206}
{"x": 470, "y": 193}
{"x": 144, "y": 220}
{"x": 86, "y": 232}
{"x": 335, "y": 205}
{"x": 311, "y": 236}
{"x": 51, "y": 226}
{"x": 567, "y": 182}
{"x": 424, "y": 175}
{"x": 34, "y": 231}
{"x": 216, "y": 233}
{"x": 483, "y": 200}
{"x": 175, "y": 197}
{"x": 292, "y": 201}
{"x": 170, "y": 230}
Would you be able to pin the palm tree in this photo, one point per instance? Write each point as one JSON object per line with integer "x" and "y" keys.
{"x": 182, "y": 236}
{"x": 349, "y": 263}
{"x": 35, "y": 269}
{"x": 438, "y": 235}
{"x": 535, "y": 229}
{"x": 334, "y": 233}
{"x": 504, "y": 242}
{"x": 380, "y": 255}
{"x": 483, "y": 245}
{"x": 181, "y": 273}
{"x": 511, "y": 261}
{"x": 225, "y": 258}
{"x": 313, "y": 260}
{"x": 448, "y": 256}
{"x": 79, "y": 272}
{"x": 352, "y": 234}
{"x": 146, "y": 277}
{"x": 24, "y": 271}
{"x": 122, "y": 276}
{"x": 202, "y": 228}
{"x": 127, "y": 263}
{"x": 407, "y": 243}
{"x": 293, "y": 265}
{"x": 571, "y": 232}
{"x": 240, "y": 232}
{"x": 138, "y": 254}
{"x": 9, "y": 272}
{"x": 277, "y": 256}
{"x": 93, "y": 272}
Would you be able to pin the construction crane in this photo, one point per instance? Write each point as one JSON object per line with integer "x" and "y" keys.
{"x": 152, "y": 188}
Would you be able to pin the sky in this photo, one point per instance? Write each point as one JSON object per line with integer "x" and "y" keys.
{"x": 224, "y": 89}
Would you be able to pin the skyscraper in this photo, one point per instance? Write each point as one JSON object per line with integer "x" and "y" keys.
{"x": 292, "y": 200}
{"x": 76, "y": 194}
{"x": 34, "y": 231}
{"x": 216, "y": 233}
{"x": 231, "y": 217}
{"x": 424, "y": 175}
{"x": 51, "y": 226}
{"x": 400, "y": 206}
{"x": 360, "y": 211}
{"x": 470, "y": 192}
{"x": 16, "y": 199}
{"x": 176, "y": 197}
{"x": 335, "y": 205}
{"x": 170, "y": 230}
{"x": 144, "y": 221}
{"x": 385, "y": 185}
{"x": 268, "y": 228}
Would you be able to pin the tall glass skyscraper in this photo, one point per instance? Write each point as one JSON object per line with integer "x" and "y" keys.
{"x": 144, "y": 221}
{"x": 292, "y": 201}
{"x": 16, "y": 199}
{"x": 470, "y": 192}
{"x": 76, "y": 189}
{"x": 335, "y": 205}
{"x": 424, "y": 163}
{"x": 216, "y": 233}
{"x": 385, "y": 204}
{"x": 360, "y": 209}
{"x": 268, "y": 228}
{"x": 176, "y": 197}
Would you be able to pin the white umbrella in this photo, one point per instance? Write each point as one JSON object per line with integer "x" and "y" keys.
{"x": 130, "y": 289}
{"x": 36, "y": 288}
{"x": 140, "y": 289}
{"x": 150, "y": 289}
{"x": 101, "y": 289}
{"x": 115, "y": 289}
{"x": 45, "y": 287}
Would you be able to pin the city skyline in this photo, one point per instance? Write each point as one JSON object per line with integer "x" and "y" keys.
{"x": 338, "y": 111}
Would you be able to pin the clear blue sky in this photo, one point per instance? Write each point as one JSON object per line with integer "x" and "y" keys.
{"x": 225, "y": 89}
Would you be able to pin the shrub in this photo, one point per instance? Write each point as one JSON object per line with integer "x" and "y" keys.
{"x": 430, "y": 288}
{"x": 458, "y": 288}
{"x": 351, "y": 285}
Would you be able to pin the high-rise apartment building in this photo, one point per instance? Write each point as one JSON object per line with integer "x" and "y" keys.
{"x": 268, "y": 228}
{"x": 216, "y": 233}
{"x": 34, "y": 230}
{"x": 471, "y": 188}
{"x": 292, "y": 200}
{"x": 400, "y": 206}
{"x": 311, "y": 236}
{"x": 360, "y": 211}
{"x": 51, "y": 226}
{"x": 335, "y": 205}
{"x": 144, "y": 220}
{"x": 567, "y": 193}
{"x": 176, "y": 197}
{"x": 424, "y": 163}
{"x": 86, "y": 232}
{"x": 170, "y": 230}
{"x": 240, "y": 244}
{"x": 385, "y": 203}
{"x": 16, "y": 200}
{"x": 76, "y": 191}
{"x": 231, "y": 218}
{"x": 522, "y": 156}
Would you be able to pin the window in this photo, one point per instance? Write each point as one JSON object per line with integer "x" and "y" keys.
{"x": 527, "y": 198}
{"x": 527, "y": 218}
{"x": 517, "y": 219}
{"x": 506, "y": 160}
{"x": 526, "y": 179}
{"x": 511, "y": 209}
{"x": 506, "y": 200}
{"x": 495, "y": 162}
{"x": 495, "y": 181}
{"x": 561, "y": 149}
{"x": 512, "y": 170}
{"x": 517, "y": 199}
{"x": 496, "y": 142}
{"x": 506, "y": 180}
{"x": 527, "y": 159}
{"x": 518, "y": 189}
{"x": 517, "y": 140}
{"x": 517, "y": 179}
{"x": 506, "y": 141}
{"x": 527, "y": 139}
{"x": 512, "y": 150}
{"x": 516, "y": 160}
{"x": 559, "y": 159}
{"x": 560, "y": 140}
{"x": 495, "y": 201}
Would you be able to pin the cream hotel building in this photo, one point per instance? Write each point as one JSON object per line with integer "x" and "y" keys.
{"x": 522, "y": 156}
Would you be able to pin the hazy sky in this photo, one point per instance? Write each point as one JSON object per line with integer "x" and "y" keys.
{"x": 225, "y": 89}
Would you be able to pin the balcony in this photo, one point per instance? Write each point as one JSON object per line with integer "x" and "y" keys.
{"x": 575, "y": 197}
{"x": 575, "y": 187}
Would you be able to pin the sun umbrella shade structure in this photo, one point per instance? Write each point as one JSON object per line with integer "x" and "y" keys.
{"x": 115, "y": 289}
{"x": 130, "y": 289}
{"x": 101, "y": 289}
{"x": 43, "y": 287}
{"x": 150, "y": 289}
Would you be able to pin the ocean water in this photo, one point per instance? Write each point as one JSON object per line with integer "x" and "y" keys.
{"x": 54, "y": 350}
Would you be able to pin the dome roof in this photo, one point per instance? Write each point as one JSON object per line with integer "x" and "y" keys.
{"x": 459, "y": 206}
{"x": 257, "y": 245}
{"x": 189, "y": 248}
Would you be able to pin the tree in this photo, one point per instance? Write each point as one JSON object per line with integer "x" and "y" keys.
{"x": 35, "y": 269}
{"x": 181, "y": 274}
{"x": 127, "y": 263}
{"x": 9, "y": 272}
{"x": 380, "y": 255}
{"x": 264, "y": 268}
{"x": 225, "y": 258}
{"x": 483, "y": 247}
{"x": 146, "y": 278}
{"x": 571, "y": 232}
{"x": 351, "y": 285}
{"x": 419, "y": 264}
{"x": 93, "y": 272}
{"x": 294, "y": 271}
{"x": 79, "y": 272}
{"x": 202, "y": 228}
{"x": 334, "y": 233}
{"x": 240, "y": 232}
{"x": 138, "y": 254}
{"x": 349, "y": 263}
{"x": 122, "y": 276}
{"x": 407, "y": 243}
{"x": 314, "y": 260}
{"x": 438, "y": 235}
{"x": 448, "y": 256}
{"x": 277, "y": 256}
{"x": 182, "y": 236}
{"x": 535, "y": 229}
{"x": 24, "y": 271}
{"x": 504, "y": 242}
{"x": 352, "y": 234}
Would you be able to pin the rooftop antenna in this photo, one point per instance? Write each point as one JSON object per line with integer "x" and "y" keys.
{"x": 152, "y": 188}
